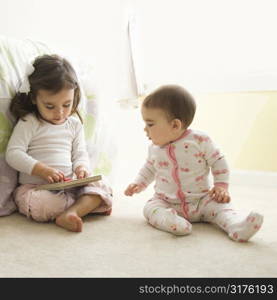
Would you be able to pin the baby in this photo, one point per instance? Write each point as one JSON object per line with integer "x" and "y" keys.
{"x": 179, "y": 160}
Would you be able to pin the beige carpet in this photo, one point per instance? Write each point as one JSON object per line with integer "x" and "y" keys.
{"x": 123, "y": 245}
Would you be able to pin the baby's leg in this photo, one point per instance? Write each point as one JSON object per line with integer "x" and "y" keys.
{"x": 160, "y": 215}
{"x": 240, "y": 227}
{"x": 243, "y": 230}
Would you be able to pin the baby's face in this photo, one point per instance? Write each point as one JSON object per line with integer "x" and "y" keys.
{"x": 55, "y": 108}
{"x": 157, "y": 126}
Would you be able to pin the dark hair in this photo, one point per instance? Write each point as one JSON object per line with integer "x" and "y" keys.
{"x": 175, "y": 101}
{"x": 52, "y": 73}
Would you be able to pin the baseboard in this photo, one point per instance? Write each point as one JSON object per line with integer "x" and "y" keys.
{"x": 246, "y": 177}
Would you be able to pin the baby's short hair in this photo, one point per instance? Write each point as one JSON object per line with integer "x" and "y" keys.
{"x": 175, "y": 101}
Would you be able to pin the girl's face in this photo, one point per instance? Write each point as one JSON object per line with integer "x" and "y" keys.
{"x": 55, "y": 108}
{"x": 158, "y": 128}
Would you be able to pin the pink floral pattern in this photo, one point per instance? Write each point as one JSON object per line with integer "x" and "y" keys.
{"x": 199, "y": 178}
{"x": 163, "y": 164}
{"x": 218, "y": 172}
{"x": 199, "y": 154}
{"x": 201, "y": 138}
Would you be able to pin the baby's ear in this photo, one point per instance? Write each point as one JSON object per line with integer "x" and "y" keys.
{"x": 177, "y": 124}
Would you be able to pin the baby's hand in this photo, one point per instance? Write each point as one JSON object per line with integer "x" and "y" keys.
{"x": 81, "y": 172}
{"x": 220, "y": 194}
{"x": 134, "y": 188}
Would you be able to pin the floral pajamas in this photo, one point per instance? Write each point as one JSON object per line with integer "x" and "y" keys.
{"x": 181, "y": 173}
{"x": 169, "y": 217}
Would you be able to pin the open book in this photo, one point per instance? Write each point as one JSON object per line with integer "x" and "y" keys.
{"x": 68, "y": 184}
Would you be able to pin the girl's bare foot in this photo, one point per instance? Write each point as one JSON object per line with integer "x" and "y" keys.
{"x": 70, "y": 221}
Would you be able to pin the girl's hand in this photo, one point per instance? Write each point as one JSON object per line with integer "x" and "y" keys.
{"x": 134, "y": 188}
{"x": 51, "y": 175}
{"x": 220, "y": 194}
{"x": 81, "y": 172}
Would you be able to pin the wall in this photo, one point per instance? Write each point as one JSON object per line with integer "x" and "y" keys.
{"x": 208, "y": 46}
{"x": 93, "y": 31}
{"x": 224, "y": 53}
{"x": 244, "y": 126}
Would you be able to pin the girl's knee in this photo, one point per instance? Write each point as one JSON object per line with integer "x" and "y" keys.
{"x": 45, "y": 206}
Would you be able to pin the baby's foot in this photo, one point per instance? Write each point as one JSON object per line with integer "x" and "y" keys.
{"x": 70, "y": 221}
{"x": 168, "y": 220}
{"x": 243, "y": 231}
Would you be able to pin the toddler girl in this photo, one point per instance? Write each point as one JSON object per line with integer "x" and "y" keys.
{"x": 47, "y": 145}
{"x": 179, "y": 160}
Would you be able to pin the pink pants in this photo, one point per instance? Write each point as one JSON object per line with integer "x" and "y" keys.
{"x": 43, "y": 205}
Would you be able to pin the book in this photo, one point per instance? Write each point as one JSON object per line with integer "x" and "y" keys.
{"x": 68, "y": 184}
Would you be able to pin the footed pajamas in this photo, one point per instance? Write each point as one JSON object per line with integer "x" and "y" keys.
{"x": 181, "y": 173}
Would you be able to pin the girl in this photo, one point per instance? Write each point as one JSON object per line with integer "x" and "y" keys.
{"x": 47, "y": 145}
{"x": 179, "y": 161}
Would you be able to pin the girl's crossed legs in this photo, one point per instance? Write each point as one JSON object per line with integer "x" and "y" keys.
{"x": 66, "y": 207}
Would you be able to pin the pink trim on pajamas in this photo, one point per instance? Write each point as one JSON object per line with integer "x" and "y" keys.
{"x": 180, "y": 195}
{"x": 44, "y": 206}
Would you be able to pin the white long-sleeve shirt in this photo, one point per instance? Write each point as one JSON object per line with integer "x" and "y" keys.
{"x": 59, "y": 146}
{"x": 181, "y": 168}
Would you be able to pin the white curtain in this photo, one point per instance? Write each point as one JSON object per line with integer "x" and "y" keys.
{"x": 205, "y": 45}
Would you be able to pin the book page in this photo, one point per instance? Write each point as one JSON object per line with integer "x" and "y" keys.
{"x": 68, "y": 184}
